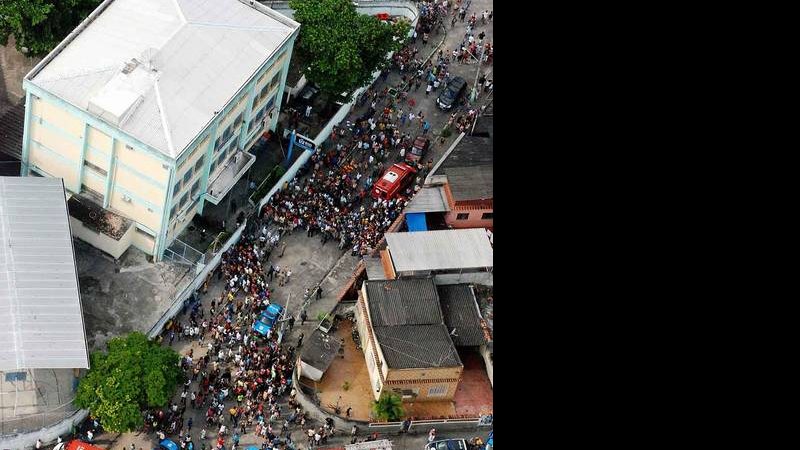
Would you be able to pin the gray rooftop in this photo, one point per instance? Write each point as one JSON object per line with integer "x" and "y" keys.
{"x": 428, "y": 199}
{"x": 440, "y": 250}
{"x": 374, "y": 268}
{"x": 41, "y": 321}
{"x": 460, "y": 310}
{"x": 470, "y": 166}
{"x": 159, "y": 69}
{"x": 320, "y": 350}
{"x": 411, "y": 301}
{"x": 417, "y": 346}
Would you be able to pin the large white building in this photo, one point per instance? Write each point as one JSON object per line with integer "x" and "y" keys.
{"x": 147, "y": 110}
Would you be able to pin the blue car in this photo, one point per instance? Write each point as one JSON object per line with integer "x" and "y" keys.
{"x": 268, "y": 318}
{"x": 167, "y": 444}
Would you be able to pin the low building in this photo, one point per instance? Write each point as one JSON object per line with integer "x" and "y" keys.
{"x": 450, "y": 256}
{"x": 406, "y": 344}
{"x": 149, "y": 108}
{"x": 318, "y": 353}
{"x": 41, "y": 319}
{"x": 461, "y": 185}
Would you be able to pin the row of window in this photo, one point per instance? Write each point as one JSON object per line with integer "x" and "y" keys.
{"x": 484, "y": 216}
{"x": 434, "y": 391}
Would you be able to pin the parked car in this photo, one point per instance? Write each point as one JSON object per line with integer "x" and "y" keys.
{"x": 393, "y": 181}
{"x": 268, "y": 318}
{"x": 448, "y": 444}
{"x": 168, "y": 445}
{"x": 421, "y": 145}
{"x": 307, "y": 94}
{"x": 452, "y": 93}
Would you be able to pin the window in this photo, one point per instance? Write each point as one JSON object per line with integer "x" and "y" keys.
{"x": 270, "y": 103}
{"x": 195, "y": 187}
{"x": 227, "y": 134}
{"x": 172, "y": 212}
{"x": 263, "y": 92}
{"x": 238, "y": 120}
{"x": 144, "y": 233}
{"x": 187, "y": 176}
{"x": 259, "y": 115}
{"x": 218, "y": 143}
{"x": 184, "y": 199}
{"x": 95, "y": 168}
{"x": 176, "y": 189}
{"x": 199, "y": 164}
{"x": 462, "y": 216}
{"x": 213, "y": 166}
{"x": 16, "y": 376}
{"x": 221, "y": 159}
{"x": 407, "y": 393}
{"x": 437, "y": 391}
{"x": 275, "y": 80}
{"x": 487, "y": 216}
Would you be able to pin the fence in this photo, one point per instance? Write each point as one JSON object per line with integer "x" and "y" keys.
{"x": 31, "y": 422}
{"x": 423, "y": 426}
{"x": 195, "y": 284}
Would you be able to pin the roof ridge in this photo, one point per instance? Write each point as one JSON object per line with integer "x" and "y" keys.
{"x": 162, "y": 113}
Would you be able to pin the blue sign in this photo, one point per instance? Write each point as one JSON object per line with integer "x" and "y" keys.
{"x": 305, "y": 143}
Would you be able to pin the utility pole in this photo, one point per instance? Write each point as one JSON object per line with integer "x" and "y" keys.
{"x": 474, "y": 94}
{"x": 283, "y": 321}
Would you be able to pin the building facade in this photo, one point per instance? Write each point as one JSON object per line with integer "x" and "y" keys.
{"x": 408, "y": 353}
{"x": 148, "y": 109}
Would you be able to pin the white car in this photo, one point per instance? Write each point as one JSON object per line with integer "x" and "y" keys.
{"x": 447, "y": 444}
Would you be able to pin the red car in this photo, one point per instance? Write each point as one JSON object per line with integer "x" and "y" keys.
{"x": 394, "y": 180}
{"x": 421, "y": 145}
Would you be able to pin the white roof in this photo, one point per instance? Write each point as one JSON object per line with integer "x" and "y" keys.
{"x": 41, "y": 322}
{"x": 159, "y": 69}
{"x": 440, "y": 250}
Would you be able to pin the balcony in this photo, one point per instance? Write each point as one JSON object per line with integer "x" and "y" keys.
{"x": 236, "y": 166}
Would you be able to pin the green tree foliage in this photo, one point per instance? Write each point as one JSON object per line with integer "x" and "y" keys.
{"x": 135, "y": 373}
{"x": 39, "y": 25}
{"x": 345, "y": 48}
{"x": 388, "y": 407}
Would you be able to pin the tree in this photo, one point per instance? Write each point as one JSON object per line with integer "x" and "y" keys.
{"x": 136, "y": 373}
{"x": 345, "y": 48}
{"x": 39, "y": 25}
{"x": 388, "y": 407}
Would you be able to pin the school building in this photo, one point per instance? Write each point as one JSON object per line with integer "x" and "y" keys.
{"x": 147, "y": 110}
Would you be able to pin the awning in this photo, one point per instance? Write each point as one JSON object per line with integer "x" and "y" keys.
{"x": 416, "y": 222}
{"x": 80, "y": 445}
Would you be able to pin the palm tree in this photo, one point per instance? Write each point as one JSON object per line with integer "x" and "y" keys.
{"x": 388, "y": 407}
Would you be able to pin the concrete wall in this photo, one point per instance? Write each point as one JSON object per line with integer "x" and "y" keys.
{"x": 489, "y": 363}
{"x": 485, "y": 278}
{"x": 312, "y": 373}
{"x": 102, "y": 241}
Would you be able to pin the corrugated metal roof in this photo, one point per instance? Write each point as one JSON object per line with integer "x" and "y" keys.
{"x": 403, "y": 302}
{"x": 194, "y": 56}
{"x": 440, "y": 250}
{"x": 41, "y": 321}
{"x": 320, "y": 350}
{"x": 417, "y": 346}
{"x": 460, "y": 310}
{"x": 428, "y": 199}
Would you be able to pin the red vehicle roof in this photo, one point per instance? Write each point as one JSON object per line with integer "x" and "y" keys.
{"x": 80, "y": 445}
{"x": 393, "y": 180}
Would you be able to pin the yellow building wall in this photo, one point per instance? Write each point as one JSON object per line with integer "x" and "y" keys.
{"x": 54, "y": 166}
{"x": 55, "y": 141}
{"x": 143, "y": 161}
{"x": 143, "y": 241}
{"x": 127, "y": 178}
{"x": 95, "y": 182}
{"x": 99, "y": 140}
{"x": 135, "y": 210}
{"x": 97, "y": 157}
{"x": 56, "y": 115}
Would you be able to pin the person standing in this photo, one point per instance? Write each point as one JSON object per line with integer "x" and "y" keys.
{"x": 428, "y": 89}
{"x": 426, "y": 127}
{"x": 431, "y": 435}
{"x": 308, "y": 111}
{"x": 303, "y": 317}
{"x": 353, "y": 434}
